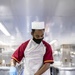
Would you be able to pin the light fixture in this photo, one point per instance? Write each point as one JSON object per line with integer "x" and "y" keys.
{"x": 53, "y": 41}
{"x": 4, "y": 30}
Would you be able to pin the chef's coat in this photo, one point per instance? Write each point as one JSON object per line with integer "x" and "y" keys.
{"x": 35, "y": 55}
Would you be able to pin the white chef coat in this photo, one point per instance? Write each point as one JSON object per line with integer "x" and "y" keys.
{"x": 34, "y": 58}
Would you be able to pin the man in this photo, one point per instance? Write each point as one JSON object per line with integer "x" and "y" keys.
{"x": 36, "y": 52}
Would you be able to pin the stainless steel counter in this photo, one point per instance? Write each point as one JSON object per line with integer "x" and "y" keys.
{"x": 4, "y": 70}
{"x": 61, "y": 70}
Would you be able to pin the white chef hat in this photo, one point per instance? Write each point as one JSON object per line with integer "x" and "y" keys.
{"x": 38, "y": 25}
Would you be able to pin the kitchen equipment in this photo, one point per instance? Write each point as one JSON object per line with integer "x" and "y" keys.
{"x": 63, "y": 70}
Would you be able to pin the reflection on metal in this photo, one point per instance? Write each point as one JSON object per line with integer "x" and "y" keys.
{"x": 4, "y": 30}
{"x": 63, "y": 70}
{"x": 67, "y": 56}
{"x": 4, "y": 70}
{"x": 28, "y": 24}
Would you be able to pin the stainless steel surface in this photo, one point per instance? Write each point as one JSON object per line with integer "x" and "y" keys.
{"x": 63, "y": 70}
{"x": 4, "y": 70}
{"x": 17, "y": 15}
{"x": 65, "y": 56}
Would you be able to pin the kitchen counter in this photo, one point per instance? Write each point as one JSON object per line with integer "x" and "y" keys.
{"x": 58, "y": 69}
{"x": 5, "y": 67}
{"x": 4, "y": 70}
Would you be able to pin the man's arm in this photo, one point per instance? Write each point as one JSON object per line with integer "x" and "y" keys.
{"x": 43, "y": 69}
{"x": 13, "y": 62}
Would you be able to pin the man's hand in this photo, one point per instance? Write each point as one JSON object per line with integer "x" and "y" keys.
{"x": 43, "y": 69}
{"x": 37, "y": 74}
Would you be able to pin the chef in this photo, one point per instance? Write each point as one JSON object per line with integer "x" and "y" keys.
{"x": 36, "y": 52}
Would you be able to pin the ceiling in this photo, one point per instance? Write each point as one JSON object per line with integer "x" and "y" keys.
{"x": 58, "y": 15}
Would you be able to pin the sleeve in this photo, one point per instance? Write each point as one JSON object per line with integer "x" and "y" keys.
{"x": 19, "y": 53}
{"x": 48, "y": 57}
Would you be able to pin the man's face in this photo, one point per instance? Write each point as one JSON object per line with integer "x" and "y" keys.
{"x": 38, "y": 34}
